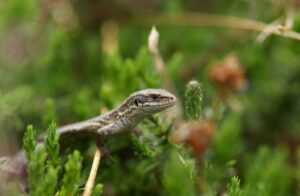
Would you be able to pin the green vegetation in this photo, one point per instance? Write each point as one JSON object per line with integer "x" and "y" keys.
{"x": 238, "y": 92}
{"x": 193, "y": 97}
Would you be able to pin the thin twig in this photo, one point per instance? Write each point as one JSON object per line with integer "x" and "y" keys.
{"x": 290, "y": 13}
{"x": 203, "y": 19}
{"x": 91, "y": 180}
{"x": 273, "y": 26}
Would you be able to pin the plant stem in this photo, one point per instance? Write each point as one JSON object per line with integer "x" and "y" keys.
{"x": 204, "y": 19}
{"x": 91, "y": 180}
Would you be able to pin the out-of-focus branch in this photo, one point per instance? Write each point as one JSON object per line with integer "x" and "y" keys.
{"x": 203, "y": 19}
{"x": 109, "y": 36}
{"x": 289, "y": 20}
{"x": 290, "y": 16}
{"x": 278, "y": 24}
{"x": 273, "y": 26}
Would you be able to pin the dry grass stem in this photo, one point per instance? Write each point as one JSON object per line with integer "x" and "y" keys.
{"x": 203, "y": 19}
{"x": 273, "y": 26}
{"x": 91, "y": 180}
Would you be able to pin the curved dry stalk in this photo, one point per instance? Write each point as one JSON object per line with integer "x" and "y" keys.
{"x": 203, "y": 19}
{"x": 91, "y": 180}
{"x": 273, "y": 26}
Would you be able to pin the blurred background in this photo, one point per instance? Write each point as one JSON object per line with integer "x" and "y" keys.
{"x": 67, "y": 61}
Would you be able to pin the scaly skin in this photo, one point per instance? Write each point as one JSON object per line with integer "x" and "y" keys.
{"x": 124, "y": 118}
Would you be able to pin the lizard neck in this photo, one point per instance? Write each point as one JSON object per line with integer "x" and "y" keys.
{"x": 123, "y": 112}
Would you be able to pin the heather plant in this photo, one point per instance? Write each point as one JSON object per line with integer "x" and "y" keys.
{"x": 45, "y": 166}
{"x": 233, "y": 66}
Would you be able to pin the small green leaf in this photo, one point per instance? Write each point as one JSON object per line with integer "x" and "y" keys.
{"x": 47, "y": 183}
{"x": 29, "y": 141}
{"x": 52, "y": 145}
{"x": 36, "y": 169}
{"x": 72, "y": 175}
{"x": 176, "y": 178}
{"x": 233, "y": 188}
{"x": 98, "y": 190}
{"x": 142, "y": 148}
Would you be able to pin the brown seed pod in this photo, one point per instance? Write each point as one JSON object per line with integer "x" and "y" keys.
{"x": 228, "y": 74}
{"x": 196, "y": 134}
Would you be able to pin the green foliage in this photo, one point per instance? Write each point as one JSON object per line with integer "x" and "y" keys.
{"x": 142, "y": 148}
{"x": 14, "y": 98}
{"x": 36, "y": 172}
{"x": 227, "y": 143}
{"x": 71, "y": 178}
{"x": 226, "y": 146}
{"x": 25, "y": 10}
{"x": 233, "y": 188}
{"x": 82, "y": 100}
{"x": 42, "y": 178}
{"x": 176, "y": 179}
{"x": 47, "y": 182}
{"x": 52, "y": 145}
{"x": 12, "y": 101}
{"x": 133, "y": 73}
{"x": 193, "y": 100}
{"x": 297, "y": 173}
{"x": 265, "y": 167}
{"x": 49, "y": 113}
{"x": 49, "y": 71}
{"x": 44, "y": 165}
{"x": 98, "y": 190}
{"x": 29, "y": 141}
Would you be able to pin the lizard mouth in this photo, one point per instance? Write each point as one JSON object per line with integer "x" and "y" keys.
{"x": 164, "y": 102}
{"x": 169, "y": 102}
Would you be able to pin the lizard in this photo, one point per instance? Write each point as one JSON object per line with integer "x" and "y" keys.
{"x": 124, "y": 118}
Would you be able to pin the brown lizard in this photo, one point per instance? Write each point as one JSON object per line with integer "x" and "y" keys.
{"x": 123, "y": 118}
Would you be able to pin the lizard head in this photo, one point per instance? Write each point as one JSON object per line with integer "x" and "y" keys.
{"x": 150, "y": 101}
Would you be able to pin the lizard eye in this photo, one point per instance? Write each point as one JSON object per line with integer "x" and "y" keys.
{"x": 136, "y": 102}
{"x": 154, "y": 97}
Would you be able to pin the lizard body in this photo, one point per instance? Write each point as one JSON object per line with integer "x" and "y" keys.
{"x": 137, "y": 106}
{"x": 124, "y": 118}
